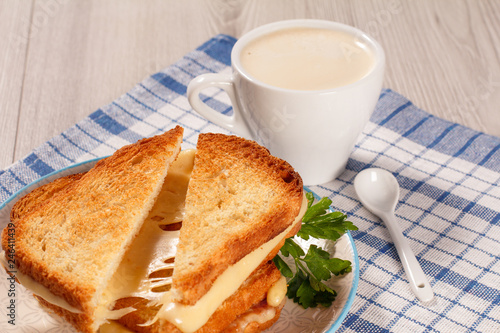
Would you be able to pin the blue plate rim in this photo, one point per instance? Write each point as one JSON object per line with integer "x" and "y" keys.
{"x": 42, "y": 178}
{"x": 355, "y": 280}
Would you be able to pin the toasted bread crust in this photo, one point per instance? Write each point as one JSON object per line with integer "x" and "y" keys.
{"x": 250, "y": 196}
{"x": 81, "y": 321}
{"x": 243, "y": 325}
{"x": 62, "y": 229}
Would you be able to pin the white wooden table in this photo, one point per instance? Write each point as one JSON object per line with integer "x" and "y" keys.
{"x": 60, "y": 60}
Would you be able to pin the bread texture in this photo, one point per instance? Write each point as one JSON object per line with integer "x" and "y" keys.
{"x": 246, "y": 323}
{"x": 239, "y": 197}
{"x": 31, "y": 200}
{"x": 72, "y": 233}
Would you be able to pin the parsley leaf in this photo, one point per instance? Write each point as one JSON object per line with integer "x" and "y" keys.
{"x": 290, "y": 247}
{"x": 283, "y": 267}
{"x": 306, "y": 285}
{"x": 317, "y": 260}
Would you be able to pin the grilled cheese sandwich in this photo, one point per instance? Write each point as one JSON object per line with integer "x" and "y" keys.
{"x": 156, "y": 244}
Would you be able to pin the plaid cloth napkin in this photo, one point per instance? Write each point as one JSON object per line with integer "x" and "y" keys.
{"x": 449, "y": 207}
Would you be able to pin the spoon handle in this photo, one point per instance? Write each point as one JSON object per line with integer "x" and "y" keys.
{"x": 419, "y": 283}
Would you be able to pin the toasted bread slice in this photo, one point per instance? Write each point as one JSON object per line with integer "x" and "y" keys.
{"x": 239, "y": 197}
{"x": 71, "y": 238}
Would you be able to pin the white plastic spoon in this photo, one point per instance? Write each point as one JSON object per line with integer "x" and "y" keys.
{"x": 378, "y": 190}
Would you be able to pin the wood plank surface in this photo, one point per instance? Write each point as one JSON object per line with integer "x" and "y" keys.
{"x": 15, "y": 20}
{"x": 444, "y": 55}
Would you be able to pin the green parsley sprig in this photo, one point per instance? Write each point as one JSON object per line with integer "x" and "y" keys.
{"x": 306, "y": 286}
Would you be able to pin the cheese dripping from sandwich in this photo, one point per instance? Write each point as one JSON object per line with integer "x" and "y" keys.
{"x": 154, "y": 247}
{"x": 189, "y": 318}
{"x": 37, "y": 288}
{"x": 152, "y": 250}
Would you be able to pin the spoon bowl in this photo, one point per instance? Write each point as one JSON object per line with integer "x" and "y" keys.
{"x": 378, "y": 191}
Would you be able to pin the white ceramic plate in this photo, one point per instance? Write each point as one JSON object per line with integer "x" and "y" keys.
{"x": 28, "y": 316}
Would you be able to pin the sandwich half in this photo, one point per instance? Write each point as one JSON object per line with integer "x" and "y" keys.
{"x": 68, "y": 243}
{"x": 242, "y": 203}
{"x": 198, "y": 260}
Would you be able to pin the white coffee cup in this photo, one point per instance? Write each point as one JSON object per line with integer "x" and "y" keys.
{"x": 314, "y": 130}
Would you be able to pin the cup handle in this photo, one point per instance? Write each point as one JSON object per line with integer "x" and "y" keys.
{"x": 235, "y": 122}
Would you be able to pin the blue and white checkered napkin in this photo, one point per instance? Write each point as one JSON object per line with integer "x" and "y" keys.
{"x": 449, "y": 206}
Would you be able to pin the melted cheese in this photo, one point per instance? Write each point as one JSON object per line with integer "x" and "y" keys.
{"x": 152, "y": 247}
{"x": 277, "y": 292}
{"x": 189, "y": 318}
{"x": 38, "y": 289}
{"x": 173, "y": 193}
